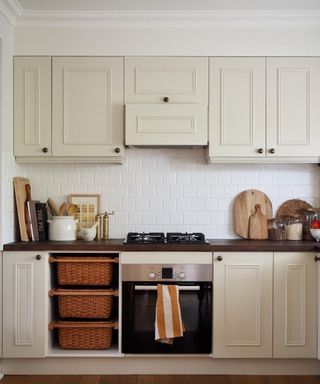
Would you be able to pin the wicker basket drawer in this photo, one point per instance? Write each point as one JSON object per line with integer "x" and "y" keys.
{"x": 84, "y": 335}
{"x": 84, "y": 270}
{"x": 85, "y": 303}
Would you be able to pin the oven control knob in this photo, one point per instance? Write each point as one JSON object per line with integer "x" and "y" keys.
{"x": 151, "y": 275}
{"x": 182, "y": 275}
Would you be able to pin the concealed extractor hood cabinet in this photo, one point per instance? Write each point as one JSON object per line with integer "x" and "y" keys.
{"x": 166, "y": 101}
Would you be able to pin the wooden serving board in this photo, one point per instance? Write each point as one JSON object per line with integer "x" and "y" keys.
{"x": 293, "y": 208}
{"x": 19, "y": 184}
{"x": 258, "y": 225}
{"x": 244, "y": 207}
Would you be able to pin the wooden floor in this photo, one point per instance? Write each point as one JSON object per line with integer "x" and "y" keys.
{"x": 160, "y": 379}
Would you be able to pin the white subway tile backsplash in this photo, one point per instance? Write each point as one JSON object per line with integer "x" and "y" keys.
{"x": 163, "y": 189}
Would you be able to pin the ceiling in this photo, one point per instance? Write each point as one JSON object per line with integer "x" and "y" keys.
{"x": 165, "y": 5}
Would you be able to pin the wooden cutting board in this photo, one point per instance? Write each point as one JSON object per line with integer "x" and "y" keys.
{"x": 258, "y": 225}
{"x": 19, "y": 184}
{"x": 244, "y": 207}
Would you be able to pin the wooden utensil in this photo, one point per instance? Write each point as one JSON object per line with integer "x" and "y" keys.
{"x": 63, "y": 210}
{"x": 19, "y": 184}
{"x": 244, "y": 207}
{"x": 258, "y": 225}
{"x": 53, "y": 206}
{"x": 72, "y": 209}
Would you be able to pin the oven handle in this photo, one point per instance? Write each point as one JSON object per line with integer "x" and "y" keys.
{"x": 154, "y": 288}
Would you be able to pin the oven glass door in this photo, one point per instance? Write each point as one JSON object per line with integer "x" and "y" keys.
{"x": 138, "y": 319}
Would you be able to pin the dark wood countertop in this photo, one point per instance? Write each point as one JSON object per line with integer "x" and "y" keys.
{"x": 214, "y": 245}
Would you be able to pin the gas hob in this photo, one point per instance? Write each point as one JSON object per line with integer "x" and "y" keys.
{"x": 170, "y": 238}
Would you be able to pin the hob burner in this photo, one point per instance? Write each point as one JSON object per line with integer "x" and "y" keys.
{"x": 160, "y": 238}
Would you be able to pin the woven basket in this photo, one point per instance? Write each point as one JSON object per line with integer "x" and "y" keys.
{"x": 85, "y": 303}
{"x": 84, "y": 335}
{"x": 84, "y": 270}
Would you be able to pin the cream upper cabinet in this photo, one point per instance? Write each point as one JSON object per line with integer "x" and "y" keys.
{"x": 32, "y": 106}
{"x": 25, "y": 304}
{"x": 237, "y": 107}
{"x": 68, "y": 109}
{"x": 293, "y": 113}
{"x": 295, "y": 305}
{"x": 242, "y": 304}
{"x": 87, "y": 108}
{"x": 166, "y": 101}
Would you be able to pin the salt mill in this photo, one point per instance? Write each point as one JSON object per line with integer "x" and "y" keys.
{"x": 106, "y": 224}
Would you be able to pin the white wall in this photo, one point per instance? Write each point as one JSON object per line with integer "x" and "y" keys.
{"x": 160, "y": 189}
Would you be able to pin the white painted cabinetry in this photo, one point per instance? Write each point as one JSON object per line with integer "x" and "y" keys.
{"x": 237, "y": 107}
{"x": 25, "y": 303}
{"x": 295, "y": 305}
{"x": 87, "y": 110}
{"x": 85, "y": 106}
{"x": 242, "y": 304}
{"x": 264, "y": 109}
{"x": 166, "y": 101}
{"x": 32, "y": 106}
{"x": 293, "y": 113}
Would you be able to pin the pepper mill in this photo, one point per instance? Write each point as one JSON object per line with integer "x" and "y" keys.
{"x": 106, "y": 224}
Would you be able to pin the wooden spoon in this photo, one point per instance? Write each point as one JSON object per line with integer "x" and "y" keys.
{"x": 72, "y": 209}
{"x": 63, "y": 210}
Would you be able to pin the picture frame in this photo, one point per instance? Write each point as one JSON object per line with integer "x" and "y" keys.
{"x": 88, "y": 208}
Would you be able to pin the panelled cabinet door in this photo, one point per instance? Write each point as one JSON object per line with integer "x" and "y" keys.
{"x": 180, "y": 79}
{"x": 293, "y": 99}
{"x": 32, "y": 106}
{"x": 25, "y": 304}
{"x": 87, "y": 106}
{"x": 295, "y": 305}
{"x": 237, "y": 107}
{"x": 242, "y": 305}
{"x": 156, "y": 124}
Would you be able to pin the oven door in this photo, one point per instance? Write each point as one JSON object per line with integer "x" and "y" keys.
{"x": 138, "y": 319}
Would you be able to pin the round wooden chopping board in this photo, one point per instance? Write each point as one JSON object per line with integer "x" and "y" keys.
{"x": 293, "y": 208}
{"x": 245, "y": 205}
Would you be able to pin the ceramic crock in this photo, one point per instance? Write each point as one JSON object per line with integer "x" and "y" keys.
{"x": 62, "y": 228}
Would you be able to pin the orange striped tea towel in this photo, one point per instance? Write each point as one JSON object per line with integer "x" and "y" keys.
{"x": 168, "y": 322}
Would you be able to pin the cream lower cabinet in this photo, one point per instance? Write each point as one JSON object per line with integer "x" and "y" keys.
{"x": 295, "y": 305}
{"x": 25, "y": 304}
{"x": 242, "y": 304}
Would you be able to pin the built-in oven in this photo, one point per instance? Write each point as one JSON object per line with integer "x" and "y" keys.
{"x": 139, "y": 294}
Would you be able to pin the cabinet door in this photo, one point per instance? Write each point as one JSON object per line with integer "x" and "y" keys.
{"x": 32, "y": 106}
{"x": 295, "y": 305}
{"x": 242, "y": 304}
{"x": 155, "y": 124}
{"x": 237, "y": 107}
{"x": 87, "y": 106}
{"x": 180, "y": 79}
{"x": 293, "y": 113}
{"x": 25, "y": 304}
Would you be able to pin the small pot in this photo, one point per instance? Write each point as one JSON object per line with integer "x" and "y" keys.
{"x": 62, "y": 228}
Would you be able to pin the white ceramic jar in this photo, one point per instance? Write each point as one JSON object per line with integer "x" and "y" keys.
{"x": 62, "y": 228}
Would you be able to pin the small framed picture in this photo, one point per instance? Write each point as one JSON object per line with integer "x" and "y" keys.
{"x": 88, "y": 207}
